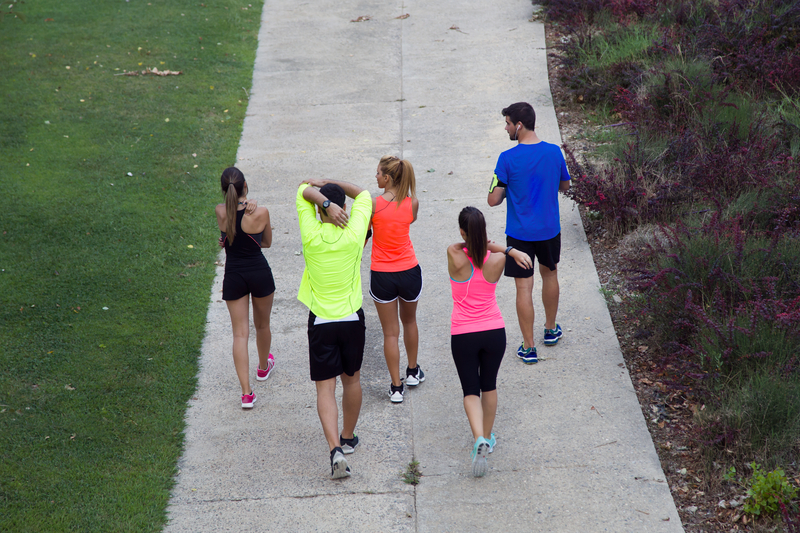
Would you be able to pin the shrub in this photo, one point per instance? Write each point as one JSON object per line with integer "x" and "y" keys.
{"x": 767, "y": 491}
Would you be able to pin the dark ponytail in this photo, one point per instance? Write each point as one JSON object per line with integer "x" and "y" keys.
{"x": 232, "y": 183}
{"x": 471, "y": 221}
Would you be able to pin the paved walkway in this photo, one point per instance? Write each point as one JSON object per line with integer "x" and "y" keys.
{"x": 329, "y": 97}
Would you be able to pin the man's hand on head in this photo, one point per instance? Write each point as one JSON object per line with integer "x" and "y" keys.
{"x": 337, "y": 215}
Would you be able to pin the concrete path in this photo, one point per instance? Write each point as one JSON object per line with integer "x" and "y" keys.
{"x": 331, "y": 96}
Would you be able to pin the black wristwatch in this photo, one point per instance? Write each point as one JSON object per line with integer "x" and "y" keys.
{"x": 325, "y": 204}
{"x": 509, "y": 249}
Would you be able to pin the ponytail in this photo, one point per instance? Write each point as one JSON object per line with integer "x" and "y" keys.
{"x": 232, "y": 183}
{"x": 231, "y": 203}
{"x": 401, "y": 173}
{"x": 474, "y": 225}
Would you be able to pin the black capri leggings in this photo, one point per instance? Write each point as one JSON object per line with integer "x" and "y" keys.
{"x": 478, "y": 356}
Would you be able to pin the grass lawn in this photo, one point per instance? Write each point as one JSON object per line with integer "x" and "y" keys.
{"x": 108, "y": 241}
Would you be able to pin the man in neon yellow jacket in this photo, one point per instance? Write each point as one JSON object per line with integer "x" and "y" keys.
{"x": 331, "y": 289}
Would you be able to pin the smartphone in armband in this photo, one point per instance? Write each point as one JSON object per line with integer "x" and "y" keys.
{"x": 495, "y": 183}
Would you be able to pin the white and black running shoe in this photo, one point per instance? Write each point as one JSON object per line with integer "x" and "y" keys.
{"x": 339, "y": 468}
{"x": 396, "y": 394}
{"x": 348, "y": 445}
{"x": 414, "y": 376}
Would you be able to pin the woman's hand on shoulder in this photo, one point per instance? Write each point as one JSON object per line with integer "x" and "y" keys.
{"x": 250, "y": 207}
{"x": 314, "y": 182}
{"x": 457, "y": 248}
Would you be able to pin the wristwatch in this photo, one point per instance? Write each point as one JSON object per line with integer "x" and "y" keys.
{"x": 325, "y": 204}
{"x": 509, "y": 249}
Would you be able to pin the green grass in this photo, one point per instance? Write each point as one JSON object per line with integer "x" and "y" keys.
{"x": 92, "y": 400}
{"x": 412, "y": 473}
{"x": 630, "y": 45}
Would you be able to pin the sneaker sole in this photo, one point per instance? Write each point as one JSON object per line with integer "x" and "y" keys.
{"x": 347, "y": 450}
{"x": 551, "y": 342}
{"x": 340, "y": 469}
{"x": 529, "y": 361}
{"x": 392, "y": 398}
{"x": 479, "y": 465}
{"x": 249, "y": 405}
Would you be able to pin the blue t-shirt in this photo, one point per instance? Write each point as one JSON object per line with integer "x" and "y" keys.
{"x": 531, "y": 174}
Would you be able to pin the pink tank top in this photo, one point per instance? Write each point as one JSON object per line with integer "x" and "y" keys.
{"x": 474, "y": 304}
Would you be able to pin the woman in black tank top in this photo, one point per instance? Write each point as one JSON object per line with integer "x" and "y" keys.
{"x": 245, "y": 229}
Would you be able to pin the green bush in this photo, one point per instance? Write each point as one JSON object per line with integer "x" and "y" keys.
{"x": 767, "y": 491}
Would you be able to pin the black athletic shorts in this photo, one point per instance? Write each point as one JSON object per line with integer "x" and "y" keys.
{"x": 385, "y": 287}
{"x": 259, "y": 283}
{"x": 548, "y": 253}
{"x": 478, "y": 356}
{"x": 335, "y": 348}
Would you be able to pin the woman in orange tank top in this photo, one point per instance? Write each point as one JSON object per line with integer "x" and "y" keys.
{"x": 395, "y": 274}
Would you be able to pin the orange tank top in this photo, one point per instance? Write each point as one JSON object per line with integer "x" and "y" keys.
{"x": 392, "y": 250}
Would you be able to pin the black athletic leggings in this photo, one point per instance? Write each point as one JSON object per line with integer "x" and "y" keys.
{"x": 478, "y": 356}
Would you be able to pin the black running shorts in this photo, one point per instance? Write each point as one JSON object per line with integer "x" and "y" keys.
{"x": 385, "y": 287}
{"x": 548, "y": 253}
{"x": 478, "y": 356}
{"x": 259, "y": 283}
{"x": 335, "y": 348}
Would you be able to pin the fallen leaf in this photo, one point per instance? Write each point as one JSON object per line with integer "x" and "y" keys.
{"x": 643, "y": 348}
{"x": 151, "y": 72}
{"x": 362, "y": 18}
{"x": 401, "y": 17}
{"x": 69, "y": 387}
{"x": 431, "y": 170}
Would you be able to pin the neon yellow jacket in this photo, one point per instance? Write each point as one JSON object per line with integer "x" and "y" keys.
{"x": 331, "y": 284}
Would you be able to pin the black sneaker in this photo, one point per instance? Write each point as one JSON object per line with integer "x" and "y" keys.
{"x": 414, "y": 376}
{"x": 396, "y": 394}
{"x": 339, "y": 468}
{"x": 348, "y": 445}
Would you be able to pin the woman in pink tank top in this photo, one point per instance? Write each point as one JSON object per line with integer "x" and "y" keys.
{"x": 478, "y": 335}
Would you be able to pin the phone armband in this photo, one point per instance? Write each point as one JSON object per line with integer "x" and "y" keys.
{"x": 495, "y": 183}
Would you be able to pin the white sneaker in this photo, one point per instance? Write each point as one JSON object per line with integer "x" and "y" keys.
{"x": 396, "y": 394}
{"x": 339, "y": 468}
{"x": 414, "y": 377}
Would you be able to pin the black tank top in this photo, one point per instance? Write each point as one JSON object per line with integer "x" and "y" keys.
{"x": 245, "y": 252}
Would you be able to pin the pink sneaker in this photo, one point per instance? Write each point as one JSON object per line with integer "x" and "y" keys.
{"x": 262, "y": 375}
{"x": 248, "y": 400}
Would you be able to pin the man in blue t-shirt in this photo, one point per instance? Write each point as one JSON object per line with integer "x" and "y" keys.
{"x": 531, "y": 175}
